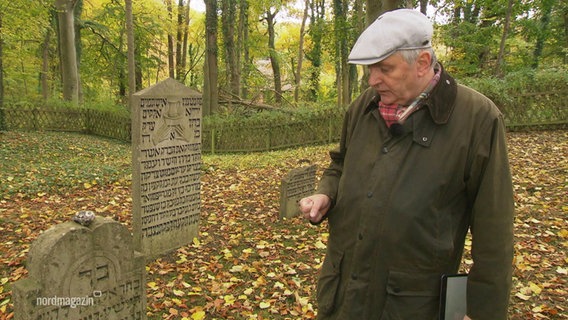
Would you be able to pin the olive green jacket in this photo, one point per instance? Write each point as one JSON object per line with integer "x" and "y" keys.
{"x": 402, "y": 206}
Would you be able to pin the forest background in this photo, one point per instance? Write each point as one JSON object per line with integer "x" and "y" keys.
{"x": 263, "y": 55}
{"x": 269, "y": 53}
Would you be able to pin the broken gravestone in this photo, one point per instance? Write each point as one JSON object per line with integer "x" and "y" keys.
{"x": 298, "y": 183}
{"x": 88, "y": 271}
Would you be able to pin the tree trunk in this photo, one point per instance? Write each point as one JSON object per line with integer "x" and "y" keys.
{"x": 374, "y": 10}
{"x": 171, "y": 57}
{"x": 243, "y": 49}
{"x": 69, "y": 69}
{"x": 184, "y": 46}
{"x": 424, "y": 6}
{"x": 228, "y": 21}
{"x": 131, "y": 50}
{"x": 210, "y": 89}
{"x": 274, "y": 59}
{"x": 45, "y": 64}
{"x": 77, "y": 11}
{"x": 298, "y": 73}
{"x": 2, "y": 120}
{"x": 501, "y": 54}
{"x": 316, "y": 30}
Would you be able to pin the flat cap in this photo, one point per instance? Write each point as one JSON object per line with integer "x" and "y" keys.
{"x": 395, "y": 30}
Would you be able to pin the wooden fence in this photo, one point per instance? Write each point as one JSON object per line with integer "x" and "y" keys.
{"x": 540, "y": 110}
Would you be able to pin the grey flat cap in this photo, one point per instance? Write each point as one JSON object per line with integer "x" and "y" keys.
{"x": 392, "y": 31}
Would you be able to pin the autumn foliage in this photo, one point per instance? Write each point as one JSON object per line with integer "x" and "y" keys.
{"x": 246, "y": 263}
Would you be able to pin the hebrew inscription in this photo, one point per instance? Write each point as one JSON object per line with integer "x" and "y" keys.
{"x": 298, "y": 183}
{"x": 79, "y": 272}
{"x": 166, "y": 166}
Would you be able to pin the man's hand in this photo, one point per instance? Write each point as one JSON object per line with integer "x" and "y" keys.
{"x": 466, "y": 318}
{"x": 315, "y": 207}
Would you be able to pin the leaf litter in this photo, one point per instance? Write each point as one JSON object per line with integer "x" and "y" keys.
{"x": 246, "y": 263}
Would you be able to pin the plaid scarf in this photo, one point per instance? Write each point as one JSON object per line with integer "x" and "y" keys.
{"x": 394, "y": 113}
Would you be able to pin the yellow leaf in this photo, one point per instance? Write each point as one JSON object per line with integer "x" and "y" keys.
{"x": 87, "y": 185}
{"x": 264, "y": 305}
{"x": 179, "y": 293}
{"x": 199, "y": 315}
{"x": 561, "y": 270}
{"x": 522, "y": 296}
{"x": 237, "y": 268}
{"x": 320, "y": 245}
{"x": 229, "y": 300}
{"x": 535, "y": 288}
{"x": 196, "y": 242}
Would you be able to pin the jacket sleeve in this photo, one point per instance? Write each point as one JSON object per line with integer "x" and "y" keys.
{"x": 490, "y": 192}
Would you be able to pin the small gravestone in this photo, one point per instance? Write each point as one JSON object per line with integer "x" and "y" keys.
{"x": 298, "y": 183}
{"x": 82, "y": 271}
{"x": 166, "y": 158}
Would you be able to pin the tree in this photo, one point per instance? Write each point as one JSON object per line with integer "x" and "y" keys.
{"x": 506, "y": 27}
{"x": 314, "y": 55}
{"x": 131, "y": 49}
{"x": 68, "y": 53}
{"x": 210, "y": 90}
{"x": 298, "y": 71}
{"x": 269, "y": 17}
{"x": 243, "y": 46}
{"x": 232, "y": 54}
{"x": 2, "y": 120}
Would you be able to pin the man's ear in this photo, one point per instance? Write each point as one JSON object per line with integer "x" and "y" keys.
{"x": 424, "y": 63}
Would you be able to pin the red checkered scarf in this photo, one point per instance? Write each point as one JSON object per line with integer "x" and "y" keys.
{"x": 392, "y": 113}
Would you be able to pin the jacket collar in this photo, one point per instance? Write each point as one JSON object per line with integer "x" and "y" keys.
{"x": 440, "y": 103}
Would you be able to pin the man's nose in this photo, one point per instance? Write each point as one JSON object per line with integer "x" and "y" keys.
{"x": 374, "y": 78}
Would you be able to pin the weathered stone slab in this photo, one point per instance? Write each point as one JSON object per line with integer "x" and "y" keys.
{"x": 166, "y": 157}
{"x": 298, "y": 183}
{"x": 82, "y": 272}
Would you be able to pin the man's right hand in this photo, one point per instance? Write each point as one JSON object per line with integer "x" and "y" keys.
{"x": 315, "y": 207}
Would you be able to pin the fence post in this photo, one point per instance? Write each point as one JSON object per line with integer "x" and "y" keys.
{"x": 268, "y": 138}
{"x": 330, "y": 129}
{"x": 213, "y": 141}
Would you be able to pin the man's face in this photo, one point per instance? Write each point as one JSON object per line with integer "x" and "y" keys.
{"x": 395, "y": 80}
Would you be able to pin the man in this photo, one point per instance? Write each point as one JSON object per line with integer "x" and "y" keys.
{"x": 421, "y": 160}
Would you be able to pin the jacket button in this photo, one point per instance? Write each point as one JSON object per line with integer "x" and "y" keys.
{"x": 354, "y": 276}
{"x": 360, "y": 236}
{"x": 370, "y": 194}
{"x": 385, "y": 150}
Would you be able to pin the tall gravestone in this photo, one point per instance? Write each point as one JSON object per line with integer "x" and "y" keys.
{"x": 166, "y": 157}
{"x": 298, "y": 183}
{"x": 82, "y": 272}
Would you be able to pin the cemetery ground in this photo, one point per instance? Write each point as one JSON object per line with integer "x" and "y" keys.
{"x": 246, "y": 263}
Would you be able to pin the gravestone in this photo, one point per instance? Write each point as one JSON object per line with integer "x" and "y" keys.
{"x": 82, "y": 272}
{"x": 166, "y": 158}
{"x": 298, "y": 183}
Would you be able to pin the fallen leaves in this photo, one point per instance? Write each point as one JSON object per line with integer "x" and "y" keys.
{"x": 246, "y": 263}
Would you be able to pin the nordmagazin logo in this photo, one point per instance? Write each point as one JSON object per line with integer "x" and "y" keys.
{"x": 72, "y": 302}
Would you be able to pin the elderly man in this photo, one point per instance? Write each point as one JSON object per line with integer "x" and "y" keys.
{"x": 421, "y": 161}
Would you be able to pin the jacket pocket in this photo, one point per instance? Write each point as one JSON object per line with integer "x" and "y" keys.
{"x": 328, "y": 282}
{"x": 411, "y": 296}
